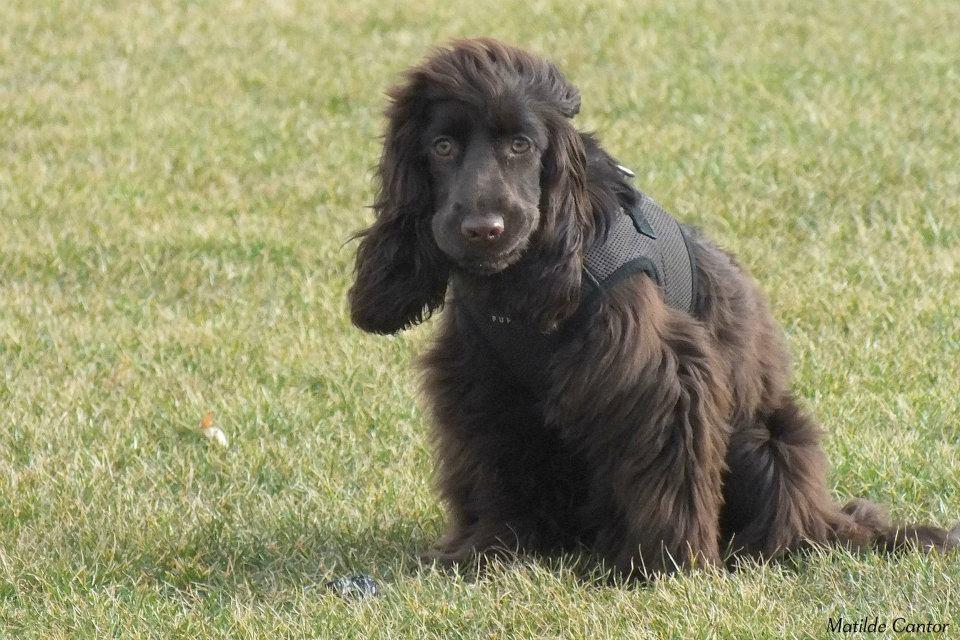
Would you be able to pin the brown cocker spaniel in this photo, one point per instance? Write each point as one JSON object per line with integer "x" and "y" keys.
{"x": 645, "y": 417}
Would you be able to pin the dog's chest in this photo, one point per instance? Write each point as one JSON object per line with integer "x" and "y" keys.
{"x": 523, "y": 352}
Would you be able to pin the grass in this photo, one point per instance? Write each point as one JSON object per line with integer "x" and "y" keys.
{"x": 176, "y": 183}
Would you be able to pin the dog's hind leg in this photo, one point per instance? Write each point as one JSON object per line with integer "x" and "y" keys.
{"x": 776, "y": 496}
{"x": 775, "y": 488}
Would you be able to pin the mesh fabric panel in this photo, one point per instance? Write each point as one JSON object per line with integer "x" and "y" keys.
{"x": 668, "y": 253}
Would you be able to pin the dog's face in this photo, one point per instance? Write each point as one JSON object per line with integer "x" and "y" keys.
{"x": 482, "y": 170}
{"x": 485, "y": 173}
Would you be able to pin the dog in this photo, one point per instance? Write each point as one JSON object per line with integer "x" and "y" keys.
{"x": 645, "y": 419}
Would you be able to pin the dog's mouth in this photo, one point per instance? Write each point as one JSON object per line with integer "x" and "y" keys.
{"x": 485, "y": 267}
{"x": 488, "y": 265}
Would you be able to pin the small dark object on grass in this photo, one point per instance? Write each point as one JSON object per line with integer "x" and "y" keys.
{"x": 354, "y": 587}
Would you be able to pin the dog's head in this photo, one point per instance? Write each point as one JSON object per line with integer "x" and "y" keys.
{"x": 481, "y": 170}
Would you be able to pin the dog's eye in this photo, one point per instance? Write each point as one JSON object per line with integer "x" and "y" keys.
{"x": 443, "y": 146}
{"x": 520, "y": 144}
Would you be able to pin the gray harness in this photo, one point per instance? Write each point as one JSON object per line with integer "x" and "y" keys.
{"x": 642, "y": 239}
{"x": 646, "y": 239}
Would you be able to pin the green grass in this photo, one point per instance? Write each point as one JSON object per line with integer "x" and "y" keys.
{"x": 176, "y": 183}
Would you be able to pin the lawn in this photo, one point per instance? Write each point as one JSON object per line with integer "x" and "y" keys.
{"x": 177, "y": 183}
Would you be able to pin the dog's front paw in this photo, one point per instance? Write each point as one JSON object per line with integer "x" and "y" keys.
{"x": 444, "y": 558}
{"x": 474, "y": 550}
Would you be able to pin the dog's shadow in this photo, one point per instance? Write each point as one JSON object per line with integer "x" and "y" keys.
{"x": 305, "y": 556}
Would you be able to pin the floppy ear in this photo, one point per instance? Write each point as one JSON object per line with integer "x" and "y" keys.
{"x": 564, "y": 209}
{"x": 564, "y": 202}
{"x": 400, "y": 277}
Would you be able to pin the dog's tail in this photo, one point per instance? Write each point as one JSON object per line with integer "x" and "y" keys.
{"x": 872, "y": 527}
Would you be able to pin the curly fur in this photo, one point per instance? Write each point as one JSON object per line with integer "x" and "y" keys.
{"x": 664, "y": 439}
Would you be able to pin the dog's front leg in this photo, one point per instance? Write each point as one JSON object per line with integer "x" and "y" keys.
{"x": 643, "y": 399}
{"x": 498, "y": 468}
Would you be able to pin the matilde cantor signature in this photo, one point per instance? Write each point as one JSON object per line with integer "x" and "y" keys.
{"x": 875, "y": 624}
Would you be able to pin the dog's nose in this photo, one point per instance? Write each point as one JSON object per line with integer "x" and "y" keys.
{"x": 482, "y": 228}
